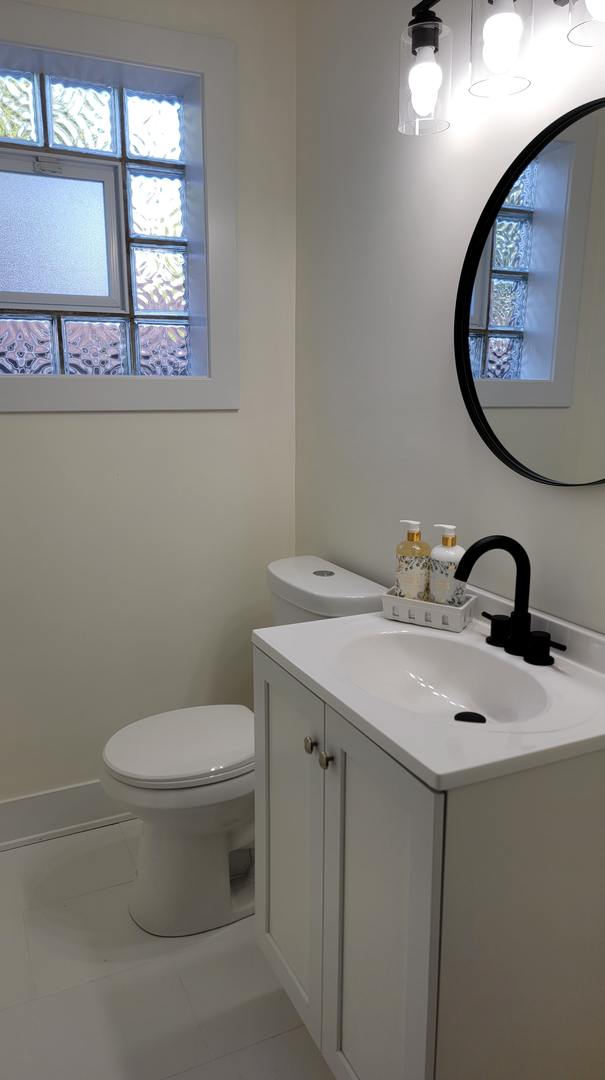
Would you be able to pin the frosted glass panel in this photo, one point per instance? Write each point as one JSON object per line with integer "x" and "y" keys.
{"x": 18, "y": 113}
{"x": 53, "y": 235}
{"x": 95, "y": 347}
{"x": 27, "y": 346}
{"x": 154, "y": 127}
{"x": 82, "y": 117}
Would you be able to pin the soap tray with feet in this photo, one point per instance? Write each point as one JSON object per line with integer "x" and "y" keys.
{"x": 426, "y": 613}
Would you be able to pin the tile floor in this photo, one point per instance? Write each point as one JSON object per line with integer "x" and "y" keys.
{"x": 86, "y": 995}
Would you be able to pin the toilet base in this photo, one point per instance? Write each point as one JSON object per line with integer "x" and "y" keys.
{"x": 241, "y": 913}
{"x": 182, "y": 885}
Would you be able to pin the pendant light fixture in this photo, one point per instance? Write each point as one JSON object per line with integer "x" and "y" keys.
{"x": 501, "y": 32}
{"x": 425, "y": 75}
{"x": 586, "y": 21}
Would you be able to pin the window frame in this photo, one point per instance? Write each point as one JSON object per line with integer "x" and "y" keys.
{"x": 80, "y": 168}
{"x": 202, "y": 71}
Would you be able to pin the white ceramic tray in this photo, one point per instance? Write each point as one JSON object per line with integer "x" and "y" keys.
{"x": 425, "y": 613}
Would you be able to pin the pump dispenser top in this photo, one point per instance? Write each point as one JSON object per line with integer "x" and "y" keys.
{"x": 448, "y": 535}
{"x": 414, "y": 529}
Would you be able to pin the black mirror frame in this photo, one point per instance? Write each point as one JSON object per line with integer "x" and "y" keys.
{"x": 467, "y": 282}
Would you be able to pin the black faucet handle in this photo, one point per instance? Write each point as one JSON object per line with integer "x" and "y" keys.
{"x": 558, "y": 645}
{"x": 537, "y": 648}
{"x": 500, "y": 629}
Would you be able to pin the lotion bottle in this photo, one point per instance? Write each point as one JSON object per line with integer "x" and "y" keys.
{"x": 443, "y": 563}
{"x": 412, "y": 564}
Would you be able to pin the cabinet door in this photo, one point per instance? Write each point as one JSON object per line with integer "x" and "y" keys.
{"x": 383, "y": 855}
{"x": 289, "y": 834}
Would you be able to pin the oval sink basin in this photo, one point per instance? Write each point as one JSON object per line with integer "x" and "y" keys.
{"x": 440, "y": 676}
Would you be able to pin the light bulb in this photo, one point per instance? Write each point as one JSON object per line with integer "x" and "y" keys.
{"x": 596, "y": 8}
{"x": 424, "y": 81}
{"x": 502, "y": 33}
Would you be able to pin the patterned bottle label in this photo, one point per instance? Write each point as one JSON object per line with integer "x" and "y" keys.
{"x": 444, "y": 589}
{"x": 412, "y": 576}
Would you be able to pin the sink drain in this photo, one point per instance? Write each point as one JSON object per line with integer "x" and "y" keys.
{"x": 470, "y": 717}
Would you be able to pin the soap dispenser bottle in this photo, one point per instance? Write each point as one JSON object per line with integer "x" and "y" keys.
{"x": 412, "y": 564}
{"x": 443, "y": 563}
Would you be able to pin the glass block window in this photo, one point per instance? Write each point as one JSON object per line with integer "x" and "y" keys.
{"x": 162, "y": 348}
{"x": 61, "y": 240}
{"x": 19, "y": 108}
{"x": 159, "y": 280}
{"x": 157, "y": 205}
{"x": 27, "y": 346}
{"x": 82, "y": 117}
{"x": 496, "y": 350}
{"x": 523, "y": 192}
{"x": 154, "y": 127}
{"x": 95, "y": 347}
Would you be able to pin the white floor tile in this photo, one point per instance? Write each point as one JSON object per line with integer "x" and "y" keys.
{"x": 131, "y": 831}
{"x": 224, "y": 1069}
{"x": 293, "y": 1056}
{"x": 134, "y": 1026}
{"x": 41, "y": 874}
{"x": 233, "y": 992}
{"x": 117, "y": 1003}
{"x": 89, "y": 937}
{"x": 16, "y": 982}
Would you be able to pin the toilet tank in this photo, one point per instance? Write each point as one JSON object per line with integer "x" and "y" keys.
{"x": 304, "y": 588}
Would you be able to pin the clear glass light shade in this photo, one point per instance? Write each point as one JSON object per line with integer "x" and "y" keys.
{"x": 501, "y": 33}
{"x": 425, "y": 81}
{"x": 587, "y": 22}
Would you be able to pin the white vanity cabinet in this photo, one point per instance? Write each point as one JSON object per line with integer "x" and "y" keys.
{"x": 349, "y": 861}
{"x": 433, "y": 898}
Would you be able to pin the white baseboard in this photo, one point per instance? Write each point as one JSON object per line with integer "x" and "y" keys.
{"x": 48, "y": 814}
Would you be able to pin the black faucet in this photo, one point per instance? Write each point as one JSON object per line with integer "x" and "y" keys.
{"x": 517, "y": 626}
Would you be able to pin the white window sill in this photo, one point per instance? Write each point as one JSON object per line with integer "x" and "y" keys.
{"x": 526, "y": 393}
{"x": 114, "y": 393}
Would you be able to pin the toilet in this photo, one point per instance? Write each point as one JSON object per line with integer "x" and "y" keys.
{"x": 189, "y": 775}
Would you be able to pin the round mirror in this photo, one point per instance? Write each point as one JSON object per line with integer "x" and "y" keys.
{"x": 530, "y": 312}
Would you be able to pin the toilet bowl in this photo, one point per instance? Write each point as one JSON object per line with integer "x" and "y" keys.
{"x": 189, "y": 775}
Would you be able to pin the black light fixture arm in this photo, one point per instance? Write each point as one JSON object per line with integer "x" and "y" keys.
{"x": 424, "y": 27}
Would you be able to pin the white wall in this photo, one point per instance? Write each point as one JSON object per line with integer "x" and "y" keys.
{"x": 383, "y": 225}
{"x": 133, "y": 546}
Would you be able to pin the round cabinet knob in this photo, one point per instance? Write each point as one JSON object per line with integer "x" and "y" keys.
{"x": 325, "y": 759}
{"x": 309, "y": 744}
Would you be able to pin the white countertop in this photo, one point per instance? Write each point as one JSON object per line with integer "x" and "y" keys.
{"x": 443, "y": 752}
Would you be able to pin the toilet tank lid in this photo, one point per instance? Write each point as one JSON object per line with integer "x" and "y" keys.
{"x": 323, "y": 588}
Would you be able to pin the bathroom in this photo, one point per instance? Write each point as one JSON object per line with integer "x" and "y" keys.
{"x": 136, "y": 536}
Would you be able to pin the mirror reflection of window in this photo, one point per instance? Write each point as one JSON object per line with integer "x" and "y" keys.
{"x": 497, "y": 348}
{"x": 534, "y": 321}
{"x": 524, "y": 317}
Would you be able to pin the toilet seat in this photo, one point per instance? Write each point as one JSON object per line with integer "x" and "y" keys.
{"x": 184, "y": 748}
